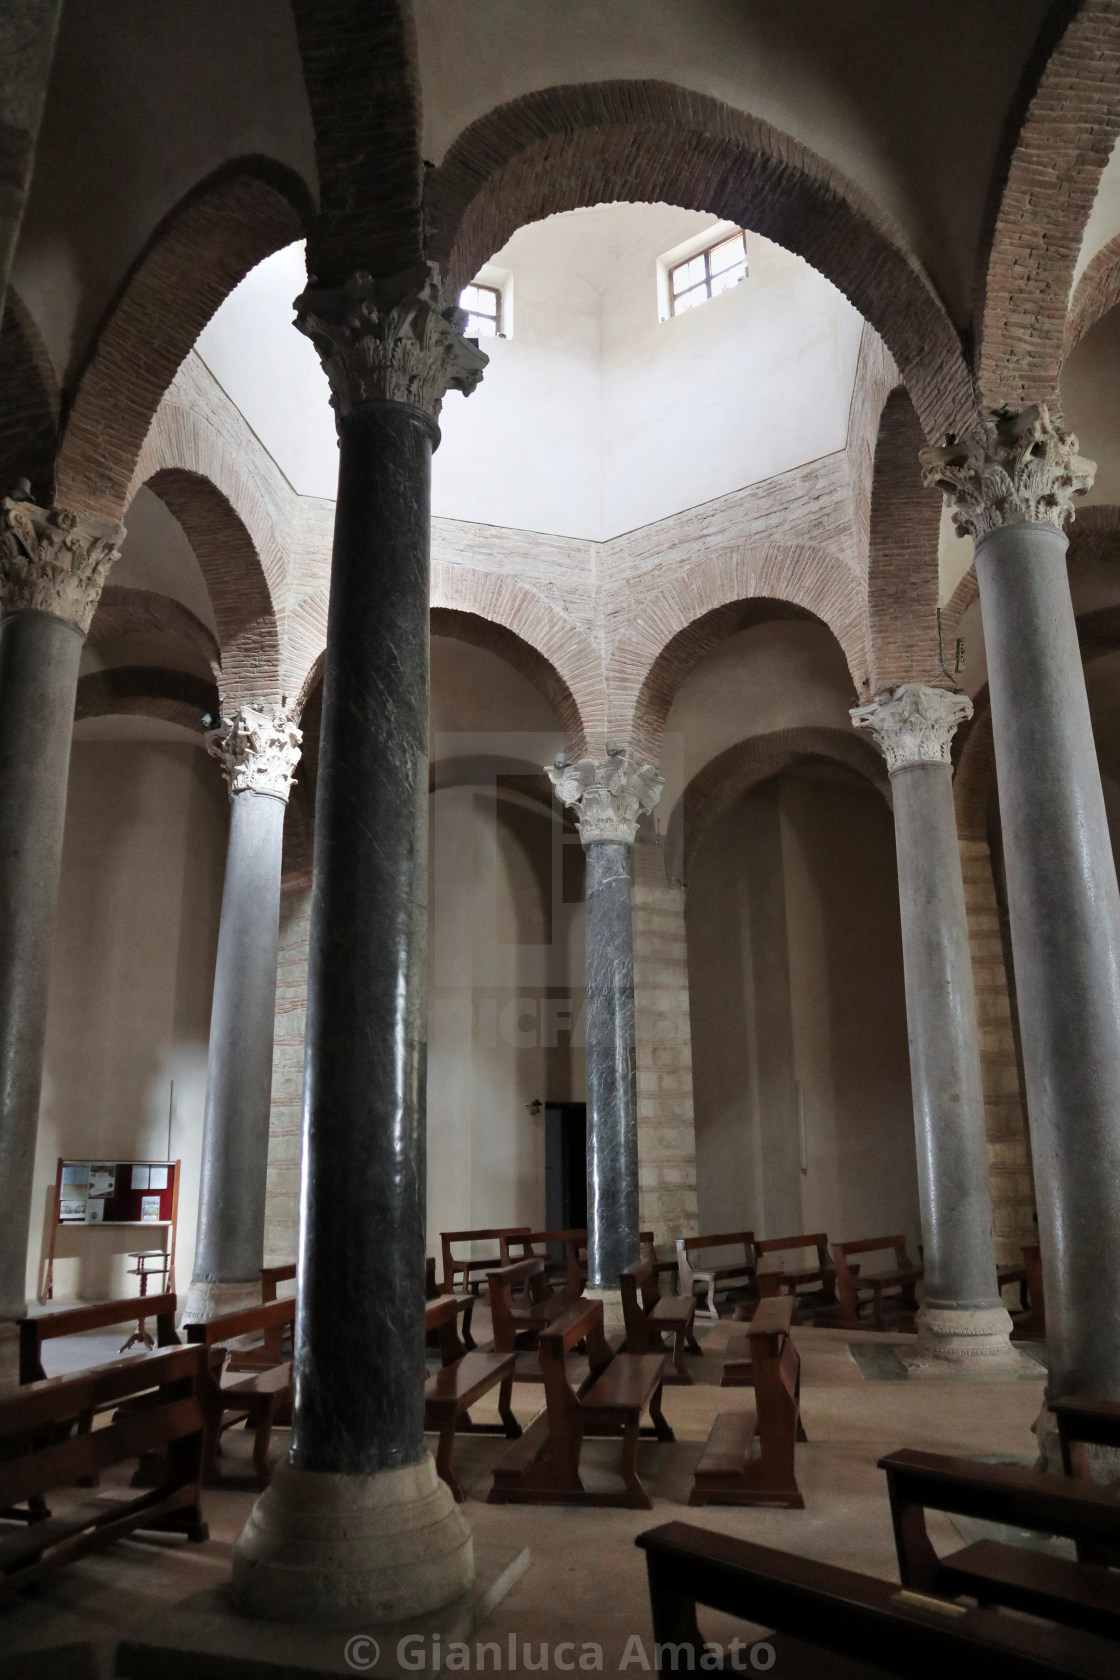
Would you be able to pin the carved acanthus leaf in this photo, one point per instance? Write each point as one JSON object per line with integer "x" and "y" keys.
{"x": 608, "y": 795}
{"x": 51, "y": 561}
{"x": 1011, "y": 469}
{"x": 258, "y": 750}
{"x": 915, "y": 724}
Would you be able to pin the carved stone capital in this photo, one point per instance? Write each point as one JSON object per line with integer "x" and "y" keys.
{"x": 257, "y": 750}
{"x": 51, "y": 561}
{"x": 390, "y": 341}
{"x": 1011, "y": 469}
{"x": 915, "y": 724}
{"x": 608, "y": 794}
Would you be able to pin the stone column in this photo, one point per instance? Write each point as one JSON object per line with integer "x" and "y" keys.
{"x": 962, "y": 1321}
{"x": 1012, "y": 483}
{"x": 609, "y": 795}
{"x": 357, "y": 1526}
{"x": 52, "y": 567}
{"x": 258, "y": 752}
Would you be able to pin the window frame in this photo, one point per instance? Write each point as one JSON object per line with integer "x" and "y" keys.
{"x": 705, "y": 252}
{"x": 496, "y": 292}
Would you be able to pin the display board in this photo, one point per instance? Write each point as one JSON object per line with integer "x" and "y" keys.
{"x": 115, "y": 1194}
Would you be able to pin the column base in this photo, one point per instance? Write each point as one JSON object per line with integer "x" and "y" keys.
{"x": 614, "y": 1321}
{"x": 968, "y": 1341}
{"x": 209, "y": 1298}
{"x": 1103, "y": 1463}
{"x": 352, "y": 1550}
{"x": 9, "y": 1356}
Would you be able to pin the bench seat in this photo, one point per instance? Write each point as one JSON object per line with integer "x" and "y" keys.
{"x": 749, "y": 1456}
{"x": 1037, "y": 1584}
{"x": 649, "y": 1315}
{"x": 463, "y": 1378}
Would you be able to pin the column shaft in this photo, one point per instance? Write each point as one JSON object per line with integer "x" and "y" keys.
{"x": 612, "y": 1094}
{"x": 231, "y": 1203}
{"x": 960, "y": 1264}
{"x": 39, "y": 658}
{"x": 1065, "y": 929}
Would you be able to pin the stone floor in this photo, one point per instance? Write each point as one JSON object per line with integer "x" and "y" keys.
{"x": 585, "y": 1581}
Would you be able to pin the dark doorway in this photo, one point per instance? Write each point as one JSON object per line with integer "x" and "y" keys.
{"x": 565, "y": 1166}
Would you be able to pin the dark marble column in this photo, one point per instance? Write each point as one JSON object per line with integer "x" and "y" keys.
{"x": 258, "y": 751}
{"x": 358, "y": 1526}
{"x": 1012, "y": 484}
{"x": 51, "y": 571}
{"x": 962, "y": 1320}
{"x": 609, "y": 796}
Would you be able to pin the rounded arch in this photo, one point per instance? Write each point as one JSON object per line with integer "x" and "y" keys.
{"x": 241, "y": 214}
{"x": 29, "y": 403}
{"x": 725, "y": 592}
{"x": 556, "y": 654}
{"x": 1068, "y": 121}
{"x": 716, "y": 787}
{"x": 564, "y": 148}
{"x": 1097, "y": 291}
{"x": 902, "y": 576}
{"x": 146, "y": 691}
{"x": 123, "y": 612}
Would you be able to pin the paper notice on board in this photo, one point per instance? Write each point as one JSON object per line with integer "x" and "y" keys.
{"x": 149, "y": 1210}
{"x": 95, "y": 1211}
{"x": 158, "y": 1178}
{"x": 72, "y": 1207}
{"x": 74, "y": 1190}
{"x": 102, "y": 1178}
{"x": 141, "y": 1177}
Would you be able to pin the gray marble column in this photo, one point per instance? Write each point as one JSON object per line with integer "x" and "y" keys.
{"x": 962, "y": 1320}
{"x": 258, "y": 751}
{"x": 1012, "y": 485}
{"x": 357, "y": 1525}
{"x": 609, "y": 795}
{"x": 27, "y": 29}
{"x": 51, "y": 571}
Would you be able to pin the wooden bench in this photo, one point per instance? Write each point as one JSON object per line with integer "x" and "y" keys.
{"x": 454, "y": 1268}
{"x": 1086, "y": 1422}
{"x": 857, "y": 1289}
{"x": 773, "y": 1277}
{"x": 1082, "y": 1595}
{"x": 1032, "y": 1326}
{"x": 749, "y": 1456}
{"x": 43, "y": 1447}
{"x": 543, "y": 1467}
{"x": 463, "y": 1378}
{"x": 521, "y": 1306}
{"x": 715, "y": 1280}
{"x": 650, "y": 1316}
{"x": 432, "y": 1293}
{"x": 872, "y": 1627}
{"x": 39, "y": 1327}
{"x": 261, "y": 1400}
{"x": 533, "y": 1245}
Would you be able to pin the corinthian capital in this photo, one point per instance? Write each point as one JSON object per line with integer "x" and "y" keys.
{"x": 389, "y": 341}
{"x": 915, "y": 724}
{"x": 1011, "y": 469}
{"x": 257, "y": 750}
{"x": 51, "y": 561}
{"x": 608, "y": 794}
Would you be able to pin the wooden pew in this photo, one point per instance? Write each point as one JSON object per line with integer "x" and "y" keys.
{"x": 521, "y": 1306}
{"x": 649, "y": 1316}
{"x": 543, "y": 1467}
{"x": 1032, "y": 1326}
{"x": 1084, "y": 1422}
{"x": 39, "y": 1327}
{"x": 773, "y": 1278}
{"x": 432, "y": 1293}
{"x": 857, "y": 1289}
{"x": 533, "y": 1245}
{"x": 729, "y": 1471}
{"x": 260, "y": 1400}
{"x": 43, "y": 1447}
{"x": 1081, "y": 1595}
{"x": 715, "y": 1279}
{"x": 463, "y": 1378}
{"x": 872, "y": 1626}
{"x": 454, "y": 1268}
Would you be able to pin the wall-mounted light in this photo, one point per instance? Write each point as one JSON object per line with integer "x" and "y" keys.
{"x": 534, "y": 1107}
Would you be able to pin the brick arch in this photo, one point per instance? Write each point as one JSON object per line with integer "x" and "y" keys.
{"x": 248, "y": 635}
{"x": 1097, "y": 291}
{"x": 124, "y": 612}
{"x": 902, "y": 578}
{"x": 563, "y": 148}
{"x": 29, "y": 403}
{"x": 208, "y": 243}
{"x": 557, "y": 651}
{"x": 713, "y": 599}
{"x": 725, "y": 778}
{"x": 1066, "y": 123}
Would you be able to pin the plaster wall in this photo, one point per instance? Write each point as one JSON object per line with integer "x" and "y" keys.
{"x": 135, "y": 944}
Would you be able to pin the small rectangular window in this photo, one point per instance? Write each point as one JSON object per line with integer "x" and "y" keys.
{"x": 483, "y": 305}
{"x": 704, "y": 276}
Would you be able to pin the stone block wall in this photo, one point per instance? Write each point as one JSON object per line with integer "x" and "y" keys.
{"x": 1009, "y": 1155}
{"x": 281, "y": 1229}
{"x": 666, "y": 1119}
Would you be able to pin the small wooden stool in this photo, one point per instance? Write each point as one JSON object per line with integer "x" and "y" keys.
{"x": 143, "y": 1272}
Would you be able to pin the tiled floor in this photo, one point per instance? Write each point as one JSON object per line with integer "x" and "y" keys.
{"x": 586, "y": 1580}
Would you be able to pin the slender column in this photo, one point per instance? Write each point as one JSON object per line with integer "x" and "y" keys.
{"x": 357, "y": 1525}
{"x": 1012, "y": 484}
{"x": 51, "y": 571}
{"x": 258, "y": 752}
{"x": 609, "y": 795}
{"x": 962, "y": 1320}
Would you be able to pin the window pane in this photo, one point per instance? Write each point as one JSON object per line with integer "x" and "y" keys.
{"x": 689, "y": 299}
{"x": 730, "y": 277}
{"x": 480, "y": 300}
{"x": 480, "y": 326}
{"x": 688, "y": 274}
{"x": 727, "y": 253}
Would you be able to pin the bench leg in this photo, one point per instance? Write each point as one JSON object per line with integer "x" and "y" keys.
{"x": 713, "y": 1310}
{"x": 690, "y": 1338}
{"x": 443, "y": 1457}
{"x": 684, "y": 1375}
{"x": 639, "y": 1498}
{"x": 658, "y": 1419}
{"x": 260, "y": 1446}
{"x": 505, "y": 1410}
